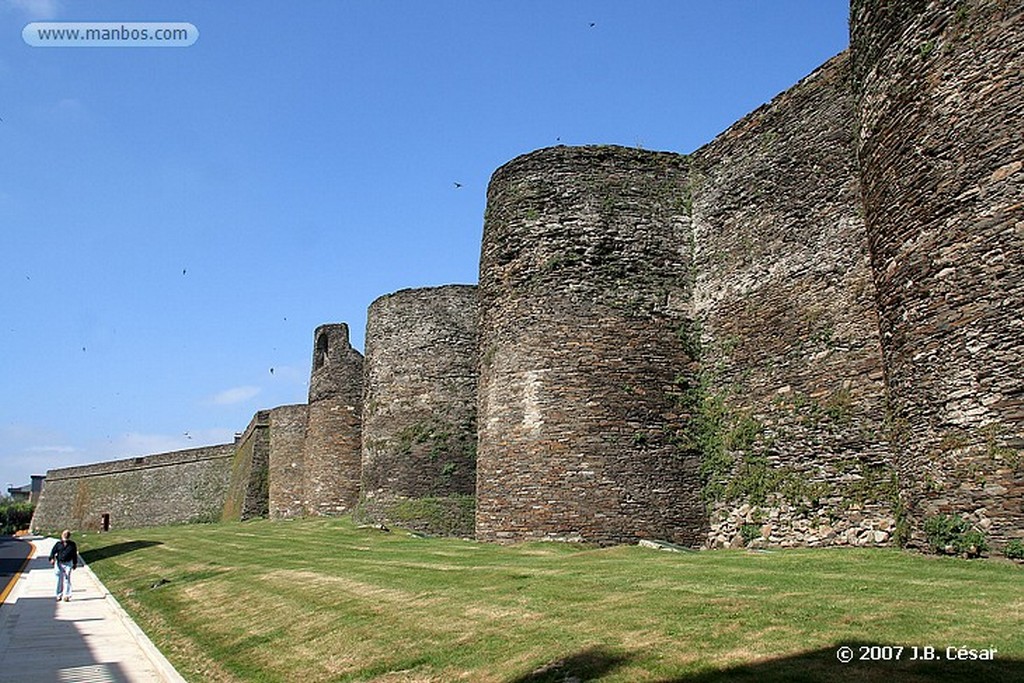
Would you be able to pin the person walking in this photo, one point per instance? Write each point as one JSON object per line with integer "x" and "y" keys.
{"x": 64, "y": 558}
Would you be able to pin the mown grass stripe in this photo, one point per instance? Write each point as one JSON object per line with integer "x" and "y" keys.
{"x": 320, "y": 600}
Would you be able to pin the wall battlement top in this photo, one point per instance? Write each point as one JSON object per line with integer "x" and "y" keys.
{"x": 564, "y": 155}
{"x": 143, "y": 462}
{"x": 260, "y": 419}
{"x": 425, "y": 292}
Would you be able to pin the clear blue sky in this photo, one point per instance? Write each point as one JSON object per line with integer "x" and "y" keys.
{"x": 176, "y": 221}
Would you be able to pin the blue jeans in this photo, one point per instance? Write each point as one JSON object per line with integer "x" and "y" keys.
{"x": 63, "y": 571}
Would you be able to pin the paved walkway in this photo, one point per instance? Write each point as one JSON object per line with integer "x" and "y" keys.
{"x": 87, "y": 640}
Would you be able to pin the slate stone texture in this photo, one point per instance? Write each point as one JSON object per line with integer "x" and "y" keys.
{"x": 584, "y": 282}
{"x": 331, "y": 466}
{"x": 247, "y": 495}
{"x": 287, "y": 461}
{"x": 941, "y": 153}
{"x": 419, "y": 409}
{"x": 792, "y": 393}
{"x": 167, "y": 488}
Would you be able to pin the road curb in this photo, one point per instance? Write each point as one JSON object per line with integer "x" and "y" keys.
{"x": 159, "y": 660}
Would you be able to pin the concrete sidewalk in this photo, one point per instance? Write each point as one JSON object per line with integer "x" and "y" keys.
{"x": 89, "y": 639}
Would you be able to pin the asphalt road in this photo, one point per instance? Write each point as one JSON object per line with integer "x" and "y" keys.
{"x": 12, "y": 557}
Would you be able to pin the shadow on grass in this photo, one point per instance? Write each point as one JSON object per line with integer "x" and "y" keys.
{"x": 587, "y": 665}
{"x": 824, "y": 665}
{"x": 809, "y": 667}
{"x": 103, "y": 553}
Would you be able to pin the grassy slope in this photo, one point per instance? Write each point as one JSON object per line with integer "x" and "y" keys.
{"x": 318, "y": 600}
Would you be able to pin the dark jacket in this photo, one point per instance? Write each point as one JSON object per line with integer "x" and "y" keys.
{"x": 64, "y": 552}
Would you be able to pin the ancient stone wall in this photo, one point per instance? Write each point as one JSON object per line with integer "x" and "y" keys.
{"x": 419, "y": 409}
{"x": 584, "y": 282}
{"x": 169, "y": 488}
{"x": 333, "y": 449}
{"x": 942, "y": 167}
{"x": 790, "y": 397}
{"x": 287, "y": 460}
{"x": 806, "y": 333}
{"x": 247, "y": 489}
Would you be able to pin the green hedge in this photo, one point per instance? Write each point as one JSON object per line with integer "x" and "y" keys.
{"x": 14, "y": 516}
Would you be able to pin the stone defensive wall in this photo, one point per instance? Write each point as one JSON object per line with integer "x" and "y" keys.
{"x": 807, "y": 332}
{"x": 844, "y": 272}
{"x": 247, "y": 494}
{"x": 790, "y": 400}
{"x": 333, "y": 446}
{"x": 419, "y": 410}
{"x": 169, "y": 488}
{"x": 941, "y": 153}
{"x": 584, "y": 283}
{"x": 286, "y": 461}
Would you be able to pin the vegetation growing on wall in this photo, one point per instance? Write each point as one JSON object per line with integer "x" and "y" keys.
{"x": 736, "y": 449}
{"x": 953, "y": 535}
{"x": 436, "y": 515}
{"x": 439, "y": 444}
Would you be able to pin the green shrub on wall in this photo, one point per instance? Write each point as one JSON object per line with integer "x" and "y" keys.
{"x": 444, "y": 516}
{"x": 953, "y": 535}
{"x": 750, "y": 533}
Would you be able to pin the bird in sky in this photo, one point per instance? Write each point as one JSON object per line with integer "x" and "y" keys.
{"x": 457, "y": 185}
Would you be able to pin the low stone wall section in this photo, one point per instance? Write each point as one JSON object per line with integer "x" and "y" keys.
{"x": 171, "y": 488}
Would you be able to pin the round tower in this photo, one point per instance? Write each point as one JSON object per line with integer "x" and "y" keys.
{"x": 584, "y": 289}
{"x": 287, "y": 459}
{"x": 419, "y": 411}
{"x": 330, "y": 471}
{"x": 941, "y": 95}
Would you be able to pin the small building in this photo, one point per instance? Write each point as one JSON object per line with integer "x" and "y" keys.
{"x": 29, "y": 492}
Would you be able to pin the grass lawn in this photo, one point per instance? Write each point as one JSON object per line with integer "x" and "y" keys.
{"x": 320, "y": 600}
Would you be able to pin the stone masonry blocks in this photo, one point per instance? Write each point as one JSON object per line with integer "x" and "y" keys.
{"x": 246, "y": 497}
{"x": 419, "y": 408}
{"x": 584, "y": 282}
{"x": 331, "y": 466}
{"x": 792, "y": 394}
{"x": 287, "y": 460}
{"x": 167, "y": 488}
{"x": 942, "y": 168}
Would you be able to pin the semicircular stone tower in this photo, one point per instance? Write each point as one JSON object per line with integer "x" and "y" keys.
{"x": 330, "y": 470}
{"x": 419, "y": 410}
{"x": 585, "y": 350}
{"x": 941, "y": 151}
